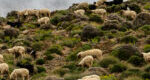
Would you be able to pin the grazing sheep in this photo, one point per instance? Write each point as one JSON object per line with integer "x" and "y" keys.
{"x": 91, "y": 77}
{"x": 96, "y": 53}
{"x": 146, "y": 56}
{"x": 129, "y": 13}
{"x": 1, "y": 58}
{"x": 22, "y": 72}
{"x": 43, "y": 20}
{"x": 80, "y": 12}
{"x": 83, "y": 5}
{"x": 100, "y": 2}
{"x": 17, "y": 50}
{"x": 101, "y": 12}
{"x": 44, "y": 12}
{"x": 86, "y": 61}
{"x": 4, "y": 68}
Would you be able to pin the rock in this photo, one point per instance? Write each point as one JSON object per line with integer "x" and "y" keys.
{"x": 142, "y": 19}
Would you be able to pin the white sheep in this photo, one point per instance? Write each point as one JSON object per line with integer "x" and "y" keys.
{"x": 45, "y": 12}
{"x": 80, "y": 12}
{"x": 146, "y": 56}
{"x": 17, "y": 50}
{"x": 82, "y": 5}
{"x": 100, "y": 2}
{"x": 101, "y": 12}
{"x": 43, "y": 20}
{"x": 22, "y": 72}
{"x": 129, "y": 13}
{"x": 86, "y": 61}
{"x": 91, "y": 77}
{"x": 96, "y": 53}
{"x": 1, "y": 58}
{"x": 4, "y": 68}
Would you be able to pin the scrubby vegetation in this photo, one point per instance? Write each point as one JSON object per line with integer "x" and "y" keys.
{"x": 52, "y": 47}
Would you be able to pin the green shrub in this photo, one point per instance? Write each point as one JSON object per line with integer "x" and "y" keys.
{"x": 61, "y": 71}
{"x": 147, "y": 6}
{"x": 108, "y": 61}
{"x": 72, "y": 56}
{"x": 130, "y": 72}
{"x": 49, "y": 57}
{"x": 40, "y": 61}
{"x": 113, "y": 8}
{"x": 71, "y": 42}
{"x": 146, "y": 48}
{"x": 73, "y": 77}
{"x": 108, "y": 77}
{"x": 129, "y": 39}
{"x": 86, "y": 47}
{"x": 124, "y": 52}
{"x": 29, "y": 25}
{"x": 73, "y": 68}
{"x": 146, "y": 75}
{"x": 147, "y": 69}
{"x": 43, "y": 35}
{"x": 136, "y": 60}
{"x": 146, "y": 29}
{"x": 95, "y": 18}
{"x": 40, "y": 69}
{"x": 37, "y": 46}
{"x": 135, "y": 7}
{"x": 54, "y": 49}
{"x": 133, "y": 78}
{"x": 26, "y": 63}
{"x": 118, "y": 68}
{"x": 56, "y": 19}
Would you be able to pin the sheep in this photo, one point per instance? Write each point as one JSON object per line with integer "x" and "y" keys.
{"x": 86, "y": 61}
{"x": 146, "y": 56}
{"x": 100, "y": 2}
{"x": 82, "y": 5}
{"x": 101, "y": 12}
{"x": 1, "y": 58}
{"x": 4, "y": 68}
{"x": 129, "y": 13}
{"x": 17, "y": 50}
{"x": 44, "y": 12}
{"x": 22, "y": 72}
{"x": 43, "y": 20}
{"x": 96, "y": 53}
{"x": 80, "y": 12}
{"x": 91, "y": 77}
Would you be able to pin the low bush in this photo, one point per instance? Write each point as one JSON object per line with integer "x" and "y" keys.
{"x": 26, "y": 63}
{"x": 129, "y": 39}
{"x": 108, "y": 61}
{"x": 40, "y": 69}
{"x": 118, "y": 68}
{"x": 136, "y": 60}
{"x": 54, "y": 49}
{"x": 124, "y": 52}
{"x": 40, "y": 61}
{"x": 146, "y": 48}
{"x": 95, "y": 18}
{"x": 146, "y": 75}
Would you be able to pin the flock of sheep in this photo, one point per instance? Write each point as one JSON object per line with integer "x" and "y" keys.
{"x": 87, "y": 57}
{"x": 4, "y": 67}
{"x": 126, "y": 13}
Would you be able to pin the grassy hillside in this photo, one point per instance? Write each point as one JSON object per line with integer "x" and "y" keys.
{"x": 57, "y": 43}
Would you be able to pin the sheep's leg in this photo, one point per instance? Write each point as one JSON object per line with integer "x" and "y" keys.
{"x": 22, "y": 77}
{"x": 28, "y": 77}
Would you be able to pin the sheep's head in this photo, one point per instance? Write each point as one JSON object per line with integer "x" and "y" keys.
{"x": 79, "y": 55}
{"x": 12, "y": 77}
